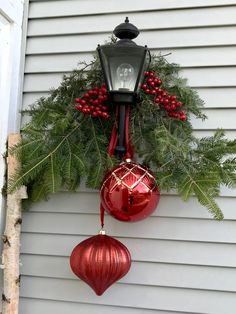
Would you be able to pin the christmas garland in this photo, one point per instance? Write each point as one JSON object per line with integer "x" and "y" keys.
{"x": 68, "y": 137}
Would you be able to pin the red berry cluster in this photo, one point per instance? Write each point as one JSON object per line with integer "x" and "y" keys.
{"x": 161, "y": 98}
{"x": 92, "y": 102}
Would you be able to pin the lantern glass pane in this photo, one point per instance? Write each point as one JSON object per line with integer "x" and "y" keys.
{"x": 122, "y": 66}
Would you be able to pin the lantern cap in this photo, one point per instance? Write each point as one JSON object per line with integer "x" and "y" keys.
{"x": 126, "y": 30}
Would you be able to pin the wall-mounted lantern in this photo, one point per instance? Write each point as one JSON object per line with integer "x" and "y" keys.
{"x": 123, "y": 64}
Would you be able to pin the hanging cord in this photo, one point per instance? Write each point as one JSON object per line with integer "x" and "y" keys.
{"x": 102, "y": 215}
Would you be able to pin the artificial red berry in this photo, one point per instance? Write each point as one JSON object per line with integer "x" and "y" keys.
{"x": 105, "y": 115}
{"x": 146, "y": 73}
{"x": 94, "y": 114}
{"x": 152, "y": 84}
{"x": 79, "y": 107}
{"x": 147, "y": 91}
{"x": 165, "y": 101}
{"x": 144, "y": 86}
{"x": 179, "y": 104}
{"x": 78, "y": 100}
{"x": 86, "y": 95}
{"x": 151, "y": 74}
{"x": 173, "y": 98}
{"x": 153, "y": 92}
{"x": 173, "y": 107}
{"x": 83, "y": 102}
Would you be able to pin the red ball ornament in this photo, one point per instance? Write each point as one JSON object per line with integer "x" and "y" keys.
{"x": 100, "y": 261}
{"x": 129, "y": 192}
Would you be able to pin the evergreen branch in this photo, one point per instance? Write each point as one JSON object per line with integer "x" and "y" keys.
{"x": 191, "y": 185}
{"x": 167, "y": 146}
{"x": 15, "y": 184}
{"x": 207, "y": 201}
{"x": 79, "y": 160}
{"x": 52, "y": 173}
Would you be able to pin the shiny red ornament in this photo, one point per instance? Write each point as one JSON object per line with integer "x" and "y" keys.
{"x": 129, "y": 192}
{"x": 100, "y": 261}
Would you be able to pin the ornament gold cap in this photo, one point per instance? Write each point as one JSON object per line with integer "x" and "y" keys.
{"x": 102, "y": 231}
{"x": 128, "y": 160}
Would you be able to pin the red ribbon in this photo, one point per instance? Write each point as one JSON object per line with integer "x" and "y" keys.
{"x": 114, "y": 136}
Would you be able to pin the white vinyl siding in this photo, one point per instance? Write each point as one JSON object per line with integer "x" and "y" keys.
{"x": 184, "y": 262}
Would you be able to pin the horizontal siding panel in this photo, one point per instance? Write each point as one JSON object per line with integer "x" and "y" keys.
{"x": 144, "y": 20}
{"x": 154, "y": 39}
{"x": 229, "y": 135}
{"x": 152, "y": 227}
{"x": 184, "y": 57}
{"x": 39, "y": 9}
{"x": 224, "y": 119}
{"x": 31, "y": 98}
{"x": 169, "y": 206}
{"x": 131, "y": 295}
{"x": 58, "y": 63}
{"x": 213, "y": 97}
{"x": 163, "y": 251}
{"x": 218, "y": 97}
{"x": 37, "y": 306}
{"x": 154, "y": 274}
{"x": 213, "y": 77}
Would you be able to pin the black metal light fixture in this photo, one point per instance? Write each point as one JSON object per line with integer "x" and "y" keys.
{"x": 123, "y": 64}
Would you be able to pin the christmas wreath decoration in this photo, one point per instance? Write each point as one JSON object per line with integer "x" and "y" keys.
{"x": 68, "y": 138}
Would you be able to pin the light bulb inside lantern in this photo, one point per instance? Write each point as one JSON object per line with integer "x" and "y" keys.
{"x": 125, "y": 74}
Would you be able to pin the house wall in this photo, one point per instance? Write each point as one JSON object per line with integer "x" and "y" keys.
{"x": 183, "y": 260}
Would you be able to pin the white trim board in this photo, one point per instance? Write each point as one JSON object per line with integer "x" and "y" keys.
{"x": 11, "y": 16}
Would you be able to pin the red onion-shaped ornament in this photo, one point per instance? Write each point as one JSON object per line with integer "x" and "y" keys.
{"x": 129, "y": 192}
{"x": 100, "y": 261}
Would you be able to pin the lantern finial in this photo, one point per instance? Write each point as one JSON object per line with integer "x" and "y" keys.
{"x": 126, "y": 30}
